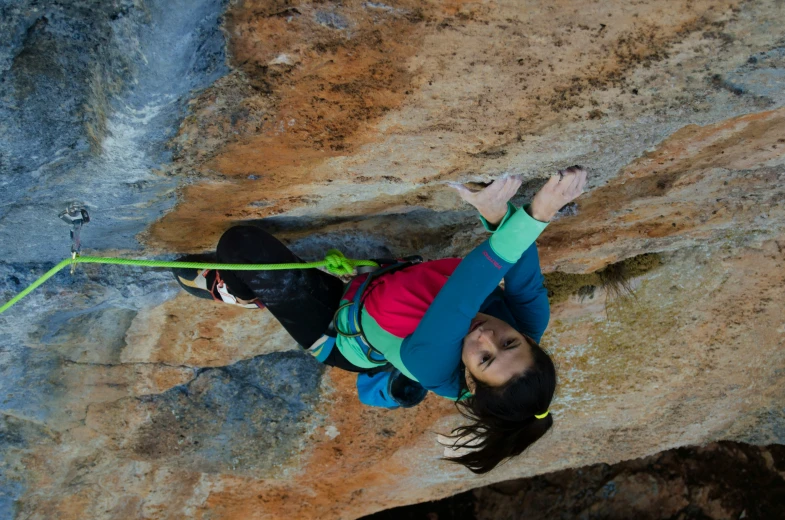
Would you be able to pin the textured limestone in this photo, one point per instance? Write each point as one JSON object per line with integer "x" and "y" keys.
{"x": 339, "y": 123}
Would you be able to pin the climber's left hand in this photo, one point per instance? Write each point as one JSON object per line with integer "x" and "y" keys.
{"x": 491, "y": 201}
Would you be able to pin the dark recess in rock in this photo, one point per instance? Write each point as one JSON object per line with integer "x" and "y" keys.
{"x": 722, "y": 480}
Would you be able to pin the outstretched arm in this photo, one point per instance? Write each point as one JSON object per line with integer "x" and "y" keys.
{"x": 432, "y": 353}
{"x": 523, "y": 283}
{"x": 526, "y": 295}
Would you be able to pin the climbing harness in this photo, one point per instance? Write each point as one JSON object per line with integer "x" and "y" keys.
{"x": 355, "y": 306}
{"x": 77, "y": 216}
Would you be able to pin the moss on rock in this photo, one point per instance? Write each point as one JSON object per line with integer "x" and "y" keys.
{"x": 613, "y": 278}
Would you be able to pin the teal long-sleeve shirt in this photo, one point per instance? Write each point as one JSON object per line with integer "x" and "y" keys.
{"x": 432, "y": 353}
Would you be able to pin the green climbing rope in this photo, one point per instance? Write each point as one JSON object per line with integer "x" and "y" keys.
{"x": 334, "y": 261}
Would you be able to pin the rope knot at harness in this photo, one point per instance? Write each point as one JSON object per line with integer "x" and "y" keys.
{"x": 336, "y": 263}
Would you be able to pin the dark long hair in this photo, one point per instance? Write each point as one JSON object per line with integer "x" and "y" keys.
{"x": 503, "y": 422}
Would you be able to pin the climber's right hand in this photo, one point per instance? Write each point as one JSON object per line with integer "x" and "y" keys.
{"x": 560, "y": 190}
{"x": 491, "y": 201}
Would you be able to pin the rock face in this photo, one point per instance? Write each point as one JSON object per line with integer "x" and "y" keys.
{"x": 338, "y": 124}
{"x": 91, "y": 93}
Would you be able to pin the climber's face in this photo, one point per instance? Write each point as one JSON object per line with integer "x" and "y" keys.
{"x": 494, "y": 352}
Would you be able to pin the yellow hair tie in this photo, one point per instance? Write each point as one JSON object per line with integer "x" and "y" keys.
{"x": 542, "y": 415}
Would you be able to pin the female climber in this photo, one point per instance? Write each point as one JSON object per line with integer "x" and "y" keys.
{"x": 411, "y": 326}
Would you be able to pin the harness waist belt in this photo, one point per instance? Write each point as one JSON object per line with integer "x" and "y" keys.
{"x": 356, "y": 305}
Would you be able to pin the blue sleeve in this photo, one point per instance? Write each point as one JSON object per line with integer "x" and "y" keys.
{"x": 526, "y": 295}
{"x": 433, "y": 352}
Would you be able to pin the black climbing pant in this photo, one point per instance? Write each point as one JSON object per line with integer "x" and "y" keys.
{"x": 302, "y": 300}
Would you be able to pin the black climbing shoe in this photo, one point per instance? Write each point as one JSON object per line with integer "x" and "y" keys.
{"x": 198, "y": 282}
{"x": 207, "y": 283}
